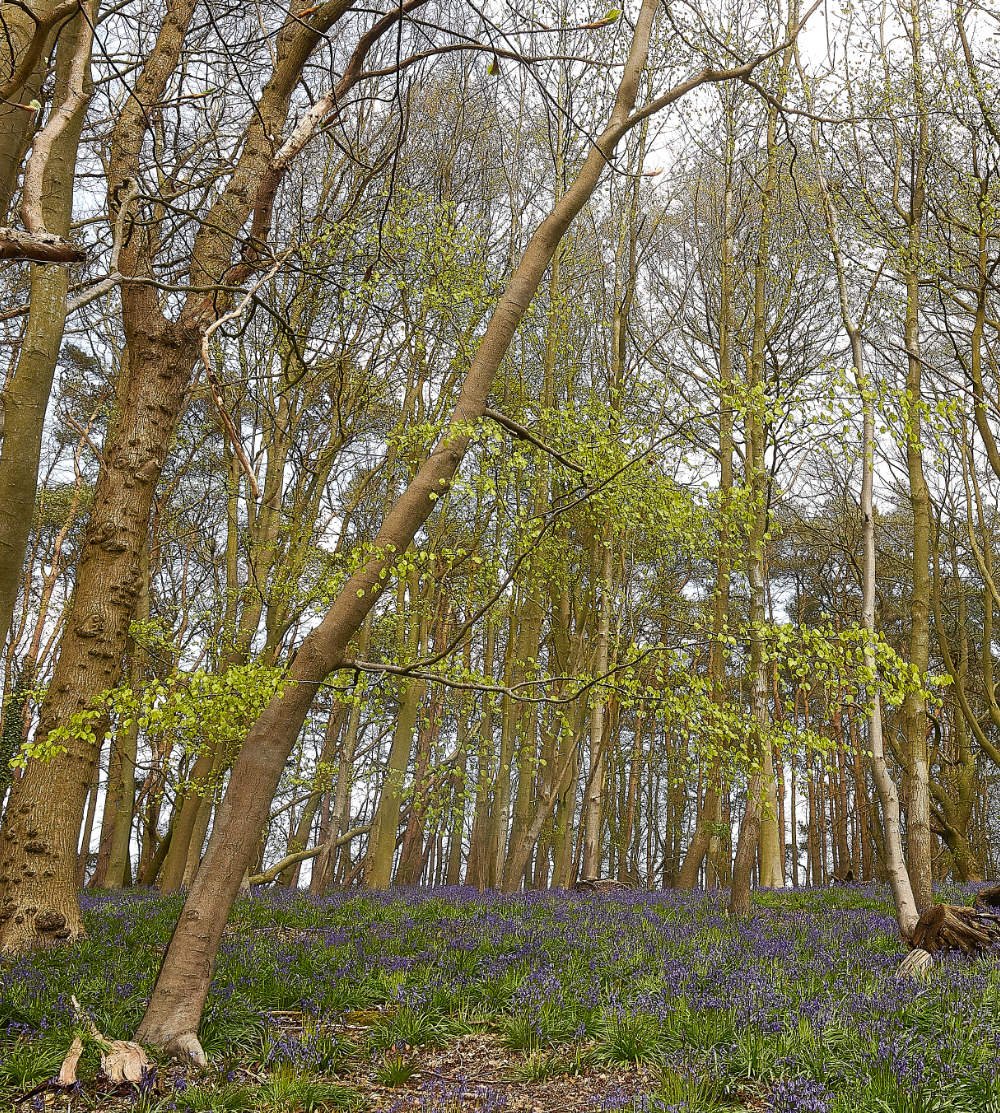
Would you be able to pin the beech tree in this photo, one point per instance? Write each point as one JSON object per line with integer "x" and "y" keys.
{"x": 416, "y": 546}
{"x": 159, "y": 360}
{"x": 47, "y": 195}
{"x": 171, "y": 1021}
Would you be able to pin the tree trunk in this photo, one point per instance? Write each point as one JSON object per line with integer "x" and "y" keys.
{"x": 477, "y": 870}
{"x": 917, "y": 770}
{"x": 523, "y": 719}
{"x": 174, "y": 1011}
{"x": 412, "y": 856}
{"x": 28, "y": 38}
{"x": 895, "y": 866}
{"x": 300, "y": 839}
{"x": 953, "y": 809}
{"x": 42, "y": 819}
{"x": 88, "y": 827}
{"x": 746, "y": 849}
{"x": 385, "y": 826}
{"x": 706, "y": 834}
{"x": 594, "y": 796}
{"x": 26, "y": 396}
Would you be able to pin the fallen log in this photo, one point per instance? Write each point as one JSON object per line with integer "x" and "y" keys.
{"x": 947, "y": 927}
{"x": 602, "y": 885}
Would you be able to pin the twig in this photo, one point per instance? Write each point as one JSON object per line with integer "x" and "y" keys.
{"x": 526, "y": 435}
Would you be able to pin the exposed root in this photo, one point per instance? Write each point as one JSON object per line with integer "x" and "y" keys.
{"x": 125, "y": 1061}
{"x": 187, "y": 1048}
{"x": 948, "y": 927}
{"x": 121, "y": 1060}
{"x": 67, "y": 1072}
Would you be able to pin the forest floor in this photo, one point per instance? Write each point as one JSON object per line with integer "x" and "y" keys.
{"x": 448, "y": 1000}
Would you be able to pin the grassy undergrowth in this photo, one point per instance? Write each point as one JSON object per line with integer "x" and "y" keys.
{"x": 794, "y": 1010}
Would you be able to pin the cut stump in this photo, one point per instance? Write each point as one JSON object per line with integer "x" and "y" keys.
{"x": 917, "y": 964}
{"x": 121, "y": 1060}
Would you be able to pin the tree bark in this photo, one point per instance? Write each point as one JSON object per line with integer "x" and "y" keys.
{"x": 917, "y": 771}
{"x": 27, "y": 43}
{"x": 26, "y": 396}
{"x": 119, "y": 855}
{"x": 895, "y": 865}
{"x": 174, "y": 1011}
{"x": 706, "y": 835}
{"x": 42, "y": 819}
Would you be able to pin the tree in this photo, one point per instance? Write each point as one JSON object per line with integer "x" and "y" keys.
{"x": 41, "y": 822}
{"x": 47, "y": 208}
{"x": 172, "y": 1017}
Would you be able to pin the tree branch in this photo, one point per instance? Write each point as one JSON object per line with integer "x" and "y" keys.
{"x": 76, "y": 100}
{"x": 526, "y": 435}
{"x": 34, "y": 52}
{"x": 213, "y": 382}
{"x": 268, "y": 876}
{"x": 38, "y": 247}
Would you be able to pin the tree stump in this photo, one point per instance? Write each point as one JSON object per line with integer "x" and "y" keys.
{"x": 947, "y": 927}
{"x": 950, "y": 927}
{"x": 988, "y": 899}
{"x": 916, "y": 964}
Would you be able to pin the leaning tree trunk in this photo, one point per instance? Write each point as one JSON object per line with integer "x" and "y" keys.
{"x": 174, "y": 1011}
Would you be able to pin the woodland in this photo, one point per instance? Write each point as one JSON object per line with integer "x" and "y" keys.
{"x": 527, "y": 448}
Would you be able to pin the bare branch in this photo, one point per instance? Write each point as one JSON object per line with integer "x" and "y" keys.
{"x": 213, "y": 381}
{"x": 709, "y": 76}
{"x": 269, "y": 875}
{"x": 40, "y": 247}
{"x": 115, "y": 277}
